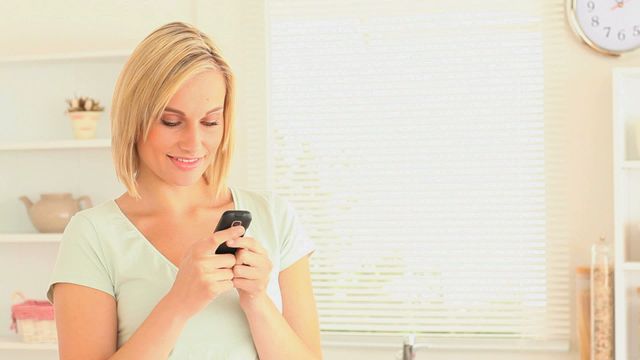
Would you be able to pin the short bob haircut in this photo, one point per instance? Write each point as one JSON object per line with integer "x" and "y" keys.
{"x": 154, "y": 72}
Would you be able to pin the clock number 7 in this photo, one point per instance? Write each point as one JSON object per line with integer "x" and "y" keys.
{"x": 607, "y": 29}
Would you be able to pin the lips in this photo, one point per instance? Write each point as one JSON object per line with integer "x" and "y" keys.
{"x": 185, "y": 163}
{"x": 185, "y": 159}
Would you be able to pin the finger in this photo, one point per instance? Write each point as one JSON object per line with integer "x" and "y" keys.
{"x": 217, "y": 238}
{"x": 221, "y": 236}
{"x": 218, "y": 274}
{"x": 248, "y": 243}
{"x": 224, "y": 274}
{"x": 246, "y": 272}
{"x": 220, "y": 285}
{"x": 211, "y": 261}
{"x": 223, "y": 261}
{"x": 259, "y": 262}
{"x": 247, "y": 257}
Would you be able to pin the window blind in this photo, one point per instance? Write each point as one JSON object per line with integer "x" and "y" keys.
{"x": 422, "y": 145}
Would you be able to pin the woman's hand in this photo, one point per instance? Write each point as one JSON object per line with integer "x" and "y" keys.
{"x": 251, "y": 271}
{"x": 203, "y": 275}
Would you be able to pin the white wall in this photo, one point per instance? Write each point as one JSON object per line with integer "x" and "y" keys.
{"x": 238, "y": 28}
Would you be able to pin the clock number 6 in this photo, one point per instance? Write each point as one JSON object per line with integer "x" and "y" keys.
{"x": 621, "y": 35}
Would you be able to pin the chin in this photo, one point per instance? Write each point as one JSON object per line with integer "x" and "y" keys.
{"x": 184, "y": 179}
{"x": 188, "y": 181}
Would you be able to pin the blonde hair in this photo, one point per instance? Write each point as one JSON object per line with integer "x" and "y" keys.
{"x": 154, "y": 72}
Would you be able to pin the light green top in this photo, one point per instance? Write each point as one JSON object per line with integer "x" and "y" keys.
{"x": 103, "y": 250}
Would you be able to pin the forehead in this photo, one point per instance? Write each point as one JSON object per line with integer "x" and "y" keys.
{"x": 203, "y": 90}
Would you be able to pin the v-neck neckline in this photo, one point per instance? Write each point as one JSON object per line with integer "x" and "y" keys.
{"x": 149, "y": 243}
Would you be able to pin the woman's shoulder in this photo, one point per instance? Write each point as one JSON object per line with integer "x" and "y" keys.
{"x": 277, "y": 205}
{"x": 94, "y": 219}
{"x": 99, "y": 212}
{"x": 87, "y": 225}
{"x": 260, "y": 197}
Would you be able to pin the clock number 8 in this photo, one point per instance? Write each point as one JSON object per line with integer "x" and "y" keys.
{"x": 595, "y": 21}
{"x": 636, "y": 30}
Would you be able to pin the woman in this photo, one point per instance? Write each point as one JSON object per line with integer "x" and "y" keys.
{"x": 137, "y": 277}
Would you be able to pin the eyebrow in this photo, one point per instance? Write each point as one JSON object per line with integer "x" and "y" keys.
{"x": 216, "y": 109}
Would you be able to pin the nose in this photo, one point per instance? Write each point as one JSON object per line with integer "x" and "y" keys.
{"x": 190, "y": 139}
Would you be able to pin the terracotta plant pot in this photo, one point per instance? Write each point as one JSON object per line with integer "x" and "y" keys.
{"x": 84, "y": 123}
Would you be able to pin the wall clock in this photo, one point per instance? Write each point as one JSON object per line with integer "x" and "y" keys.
{"x": 608, "y": 26}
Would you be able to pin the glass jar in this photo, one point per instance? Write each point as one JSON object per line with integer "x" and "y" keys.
{"x": 638, "y": 324}
{"x": 601, "y": 302}
{"x": 637, "y": 307}
{"x": 583, "y": 306}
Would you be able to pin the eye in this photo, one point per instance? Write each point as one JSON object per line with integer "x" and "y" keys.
{"x": 210, "y": 123}
{"x": 169, "y": 123}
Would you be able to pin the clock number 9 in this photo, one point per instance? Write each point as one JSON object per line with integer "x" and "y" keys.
{"x": 595, "y": 22}
{"x": 591, "y": 5}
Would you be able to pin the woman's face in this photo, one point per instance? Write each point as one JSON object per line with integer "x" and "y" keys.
{"x": 182, "y": 143}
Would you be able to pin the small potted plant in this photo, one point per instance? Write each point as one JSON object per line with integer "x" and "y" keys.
{"x": 84, "y": 113}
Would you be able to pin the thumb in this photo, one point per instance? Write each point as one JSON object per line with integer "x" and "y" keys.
{"x": 221, "y": 236}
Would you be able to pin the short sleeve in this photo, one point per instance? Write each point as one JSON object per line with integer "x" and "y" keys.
{"x": 80, "y": 258}
{"x": 295, "y": 242}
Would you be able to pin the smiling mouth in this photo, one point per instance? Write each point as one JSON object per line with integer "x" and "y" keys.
{"x": 186, "y": 160}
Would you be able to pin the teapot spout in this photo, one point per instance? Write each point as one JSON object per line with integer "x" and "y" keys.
{"x": 25, "y": 200}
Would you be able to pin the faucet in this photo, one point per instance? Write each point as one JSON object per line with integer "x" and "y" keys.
{"x": 409, "y": 347}
{"x": 408, "y": 352}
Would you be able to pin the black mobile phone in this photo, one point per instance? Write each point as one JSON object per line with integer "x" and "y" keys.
{"x": 229, "y": 219}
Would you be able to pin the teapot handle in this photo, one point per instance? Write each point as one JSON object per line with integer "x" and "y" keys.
{"x": 84, "y": 202}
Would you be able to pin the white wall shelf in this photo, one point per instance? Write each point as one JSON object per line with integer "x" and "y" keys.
{"x": 40, "y": 155}
{"x": 10, "y": 343}
{"x": 30, "y": 238}
{"x": 56, "y": 144}
{"x": 626, "y": 210}
{"x": 81, "y": 56}
{"x": 631, "y": 164}
{"x": 631, "y": 265}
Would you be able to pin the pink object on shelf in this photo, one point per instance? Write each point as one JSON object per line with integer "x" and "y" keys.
{"x": 31, "y": 310}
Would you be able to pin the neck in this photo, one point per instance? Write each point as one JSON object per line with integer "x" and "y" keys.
{"x": 158, "y": 197}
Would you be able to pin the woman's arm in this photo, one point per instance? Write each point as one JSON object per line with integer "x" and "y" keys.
{"x": 86, "y": 322}
{"x": 86, "y": 318}
{"x": 295, "y": 333}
